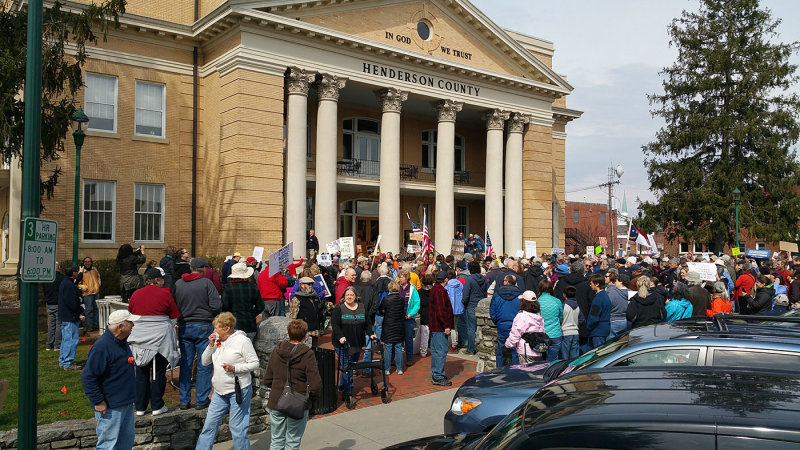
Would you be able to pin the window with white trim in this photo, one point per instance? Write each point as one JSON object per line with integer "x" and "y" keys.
{"x": 361, "y": 143}
{"x": 148, "y": 212}
{"x": 761, "y": 245}
{"x": 99, "y": 204}
{"x": 150, "y": 109}
{"x": 462, "y": 219}
{"x": 100, "y": 102}
{"x": 683, "y": 247}
{"x": 429, "y": 138}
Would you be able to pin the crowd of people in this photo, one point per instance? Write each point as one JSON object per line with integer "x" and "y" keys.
{"x": 187, "y": 316}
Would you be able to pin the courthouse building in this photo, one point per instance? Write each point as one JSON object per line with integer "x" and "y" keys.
{"x": 223, "y": 125}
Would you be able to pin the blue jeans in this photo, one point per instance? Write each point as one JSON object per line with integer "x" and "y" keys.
{"x": 345, "y": 359}
{"x": 569, "y": 347}
{"x": 395, "y": 349}
{"x": 285, "y": 432}
{"x": 367, "y": 354}
{"x": 69, "y": 343}
{"x": 501, "y": 342}
{"x": 461, "y": 329}
{"x": 193, "y": 340}
{"x": 470, "y": 325}
{"x": 378, "y": 326}
{"x": 617, "y": 328}
{"x": 597, "y": 341}
{"x": 554, "y": 349}
{"x": 409, "y": 323}
{"x": 115, "y": 428}
{"x": 238, "y": 420}
{"x": 92, "y": 320}
{"x": 438, "y": 354}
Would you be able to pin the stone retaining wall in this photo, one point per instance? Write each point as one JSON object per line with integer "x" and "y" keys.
{"x": 485, "y": 337}
{"x": 176, "y": 429}
{"x": 9, "y": 288}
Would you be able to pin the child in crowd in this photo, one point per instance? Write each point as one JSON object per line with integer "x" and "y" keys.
{"x": 569, "y": 324}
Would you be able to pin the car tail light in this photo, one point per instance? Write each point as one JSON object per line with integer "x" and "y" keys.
{"x": 463, "y": 405}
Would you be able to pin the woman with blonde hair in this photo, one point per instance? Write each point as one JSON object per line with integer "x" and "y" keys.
{"x": 233, "y": 357}
{"x": 647, "y": 306}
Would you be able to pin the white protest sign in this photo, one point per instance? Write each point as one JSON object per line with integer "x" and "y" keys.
{"x": 258, "y": 253}
{"x": 413, "y": 248}
{"x": 333, "y": 247}
{"x": 530, "y": 249}
{"x": 707, "y": 271}
{"x": 280, "y": 258}
{"x": 590, "y": 250}
{"x": 377, "y": 243}
{"x": 324, "y": 259}
{"x": 520, "y": 254}
{"x": 457, "y": 249}
{"x": 557, "y": 251}
{"x": 347, "y": 247}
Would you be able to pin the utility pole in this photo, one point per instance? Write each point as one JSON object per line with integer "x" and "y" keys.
{"x": 28, "y": 350}
{"x": 613, "y": 174}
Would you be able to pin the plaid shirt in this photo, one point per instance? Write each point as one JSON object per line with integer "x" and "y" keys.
{"x": 441, "y": 311}
{"x": 243, "y": 299}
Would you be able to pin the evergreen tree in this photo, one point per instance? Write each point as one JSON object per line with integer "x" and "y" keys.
{"x": 61, "y": 72}
{"x": 730, "y": 122}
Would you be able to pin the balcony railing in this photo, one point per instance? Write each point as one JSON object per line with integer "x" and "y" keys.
{"x": 364, "y": 168}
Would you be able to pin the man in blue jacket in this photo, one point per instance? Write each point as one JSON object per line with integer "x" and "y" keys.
{"x": 70, "y": 312}
{"x": 110, "y": 384}
{"x": 503, "y": 308}
{"x": 598, "y": 325}
{"x": 475, "y": 287}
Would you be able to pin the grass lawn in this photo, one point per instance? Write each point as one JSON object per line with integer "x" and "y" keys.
{"x": 54, "y": 405}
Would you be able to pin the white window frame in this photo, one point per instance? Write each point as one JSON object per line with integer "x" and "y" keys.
{"x": 113, "y": 211}
{"x": 680, "y": 248}
{"x": 116, "y": 100}
{"x": 465, "y": 225}
{"x": 429, "y": 141}
{"x": 163, "y": 109}
{"x": 162, "y": 214}
{"x": 761, "y": 245}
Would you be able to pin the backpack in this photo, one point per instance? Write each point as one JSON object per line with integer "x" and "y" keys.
{"x": 381, "y": 296}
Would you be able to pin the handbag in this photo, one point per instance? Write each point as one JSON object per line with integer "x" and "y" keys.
{"x": 291, "y": 403}
{"x": 537, "y": 341}
{"x": 238, "y": 388}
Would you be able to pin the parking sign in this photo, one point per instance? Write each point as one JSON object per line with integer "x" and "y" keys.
{"x": 39, "y": 250}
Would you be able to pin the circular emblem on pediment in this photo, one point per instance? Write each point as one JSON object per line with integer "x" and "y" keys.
{"x": 424, "y": 31}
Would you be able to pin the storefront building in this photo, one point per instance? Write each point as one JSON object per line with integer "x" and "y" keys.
{"x": 256, "y": 121}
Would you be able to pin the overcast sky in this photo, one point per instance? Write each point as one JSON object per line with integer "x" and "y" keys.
{"x": 611, "y": 52}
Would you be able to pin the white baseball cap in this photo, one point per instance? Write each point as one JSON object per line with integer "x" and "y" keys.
{"x": 120, "y": 316}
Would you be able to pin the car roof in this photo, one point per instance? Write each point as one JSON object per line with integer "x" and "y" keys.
{"x": 753, "y": 328}
{"x": 695, "y": 398}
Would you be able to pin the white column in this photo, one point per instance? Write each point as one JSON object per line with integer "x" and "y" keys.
{"x": 14, "y": 212}
{"x": 296, "y": 150}
{"x": 445, "y": 166}
{"x": 513, "y": 216}
{"x": 495, "y": 119}
{"x": 389, "y": 202}
{"x": 326, "y": 206}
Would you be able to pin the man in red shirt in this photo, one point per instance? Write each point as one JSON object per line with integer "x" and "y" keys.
{"x": 440, "y": 322}
{"x": 344, "y": 282}
{"x": 272, "y": 289}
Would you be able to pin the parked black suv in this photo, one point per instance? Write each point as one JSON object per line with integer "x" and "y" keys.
{"x": 685, "y": 408}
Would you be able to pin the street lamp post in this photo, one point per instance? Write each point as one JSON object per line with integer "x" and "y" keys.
{"x": 737, "y": 196}
{"x": 78, "y": 119}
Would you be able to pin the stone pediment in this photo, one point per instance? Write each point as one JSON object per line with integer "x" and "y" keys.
{"x": 451, "y": 30}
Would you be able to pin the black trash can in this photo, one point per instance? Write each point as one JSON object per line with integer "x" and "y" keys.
{"x": 326, "y": 363}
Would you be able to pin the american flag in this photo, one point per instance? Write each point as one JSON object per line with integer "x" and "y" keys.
{"x": 489, "y": 248}
{"x": 427, "y": 244}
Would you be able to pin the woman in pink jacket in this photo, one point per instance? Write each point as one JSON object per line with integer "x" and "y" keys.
{"x": 528, "y": 320}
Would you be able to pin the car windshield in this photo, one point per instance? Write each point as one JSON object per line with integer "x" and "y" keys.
{"x": 587, "y": 359}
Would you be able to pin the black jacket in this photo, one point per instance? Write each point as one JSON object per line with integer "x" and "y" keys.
{"x": 394, "y": 314}
{"x": 532, "y": 277}
{"x": 308, "y": 309}
{"x": 648, "y": 310}
{"x": 51, "y": 289}
{"x": 762, "y": 301}
{"x": 424, "y": 304}
{"x": 700, "y": 299}
{"x": 369, "y": 297}
{"x": 583, "y": 294}
{"x": 69, "y": 301}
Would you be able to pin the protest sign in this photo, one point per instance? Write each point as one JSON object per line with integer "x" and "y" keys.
{"x": 333, "y": 247}
{"x": 707, "y": 271}
{"x": 280, "y": 258}
{"x": 324, "y": 259}
{"x": 415, "y": 236}
{"x": 757, "y": 254}
{"x": 457, "y": 249}
{"x": 530, "y": 249}
{"x": 377, "y": 244}
{"x": 414, "y": 248}
{"x": 603, "y": 242}
{"x": 788, "y": 246}
{"x": 321, "y": 280}
{"x": 359, "y": 250}
{"x": 520, "y": 254}
{"x": 347, "y": 247}
{"x": 258, "y": 253}
{"x": 598, "y": 250}
{"x": 735, "y": 251}
{"x": 589, "y": 250}
{"x": 557, "y": 251}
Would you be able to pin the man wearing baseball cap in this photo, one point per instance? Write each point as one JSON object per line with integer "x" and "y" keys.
{"x": 226, "y": 267}
{"x": 110, "y": 384}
